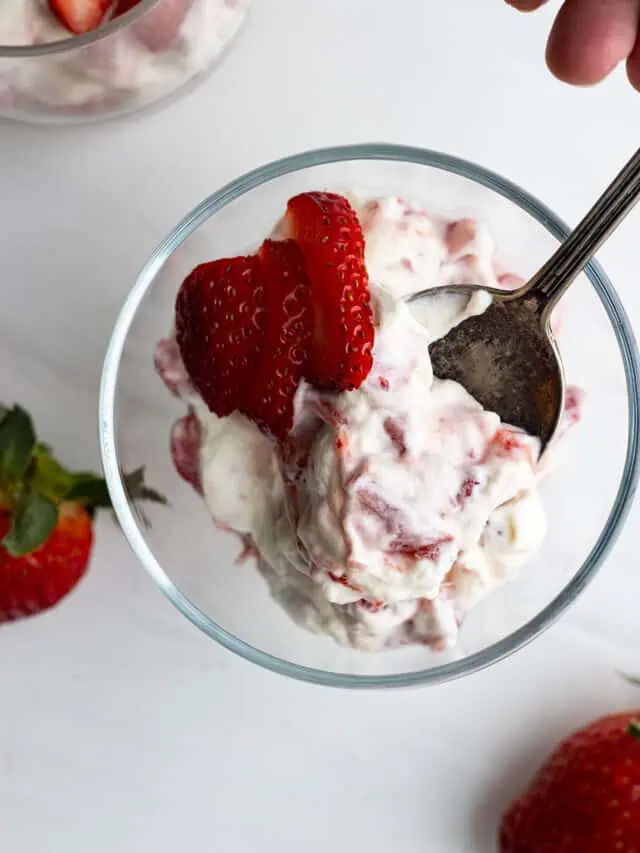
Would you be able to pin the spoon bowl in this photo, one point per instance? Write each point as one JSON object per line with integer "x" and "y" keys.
{"x": 505, "y": 355}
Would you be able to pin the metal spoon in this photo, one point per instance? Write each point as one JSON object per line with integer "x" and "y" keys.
{"x": 506, "y": 357}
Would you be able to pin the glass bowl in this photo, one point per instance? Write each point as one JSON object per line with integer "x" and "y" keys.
{"x": 194, "y": 564}
{"x": 130, "y": 62}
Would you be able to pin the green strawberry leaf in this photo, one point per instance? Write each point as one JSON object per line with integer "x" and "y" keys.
{"x": 634, "y": 729}
{"x": 632, "y": 679}
{"x": 33, "y": 521}
{"x": 138, "y": 491}
{"x": 134, "y": 480}
{"x": 17, "y": 442}
{"x": 147, "y": 494}
{"x": 49, "y": 477}
{"x": 89, "y": 490}
{"x": 3, "y": 412}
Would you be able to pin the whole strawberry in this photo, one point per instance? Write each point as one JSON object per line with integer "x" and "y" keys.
{"x": 585, "y": 798}
{"x": 46, "y": 519}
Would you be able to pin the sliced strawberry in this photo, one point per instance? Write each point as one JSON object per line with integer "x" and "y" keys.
{"x": 328, "y": 231}
{"x": 396, "y": 430}
{"x": 219, "y": 317}
{"x": 343, "y": 580}
{"x": 81, "y": 16}
{"x": 169, "y": 367}
{"x": 415, "y": 547}
{"x": 185, "y": 443}
{"x": 158, "y": 28}
{"x": 285, "y": 346}
{"x": 466, "y": 490}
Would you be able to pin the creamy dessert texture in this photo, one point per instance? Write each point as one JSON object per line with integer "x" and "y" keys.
{"x": 392, "y": 509}
{"x": 151, "y": 56}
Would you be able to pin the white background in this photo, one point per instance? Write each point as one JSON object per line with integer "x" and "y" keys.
{"x": 121, "y": 727}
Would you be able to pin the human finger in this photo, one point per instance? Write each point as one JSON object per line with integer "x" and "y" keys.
{"x": 590, "y": 37}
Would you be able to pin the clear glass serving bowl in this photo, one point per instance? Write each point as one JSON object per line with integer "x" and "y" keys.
{"x": 129, "y": 63}
{"x": 194, "y": 564}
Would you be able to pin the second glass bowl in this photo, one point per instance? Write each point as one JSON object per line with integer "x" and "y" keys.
{"x": 194, "y": 564}
{"x": 134, "y": 60}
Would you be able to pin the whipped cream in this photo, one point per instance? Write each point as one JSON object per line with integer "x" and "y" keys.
{"x": 116, "y": 72}
{"x": 392, "y": 509}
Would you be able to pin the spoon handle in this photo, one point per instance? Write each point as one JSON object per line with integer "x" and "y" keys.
{"x": 551, "y": 281}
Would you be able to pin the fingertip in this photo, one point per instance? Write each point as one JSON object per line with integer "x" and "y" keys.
{"x": 526, "y": 5}
{"x": 588, "y": 40}
{"x": 582, "y": 67}
{"x": 633, "y": 66}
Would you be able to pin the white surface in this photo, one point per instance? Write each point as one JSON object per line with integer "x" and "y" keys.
{"x": 123, "y": 728}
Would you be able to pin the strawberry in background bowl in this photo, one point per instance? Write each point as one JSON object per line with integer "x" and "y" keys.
{"x": 77, "y": 60}
{"x": 295, "y": 380}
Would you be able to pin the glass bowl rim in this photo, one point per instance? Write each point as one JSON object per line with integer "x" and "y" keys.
{"x": 76, "y": 42}
{"x": 216, "y": 202}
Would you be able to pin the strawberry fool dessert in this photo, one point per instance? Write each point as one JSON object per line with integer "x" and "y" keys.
{"x": 172, "y": 42}
{"x": 380, "y": 502}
